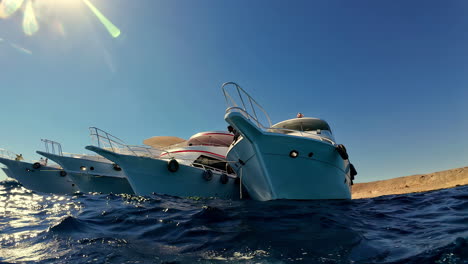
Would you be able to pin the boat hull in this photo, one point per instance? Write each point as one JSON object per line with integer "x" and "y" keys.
{"x": 147, "y": 175}
{"x": 45, "y": 179}
{"x": 8, "y": 173}
{"x": 267, "y": 170}
{"x": 96, "y": 177}
{"x": 101, "y": 184}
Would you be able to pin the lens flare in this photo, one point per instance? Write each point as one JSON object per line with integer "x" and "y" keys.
{"x": 8, "y": 7}
{"x": 30, "y": 25}
{"x": 113, "y": 30}
{"x": 58, "y": 28}
{"x": 21, "y": 49}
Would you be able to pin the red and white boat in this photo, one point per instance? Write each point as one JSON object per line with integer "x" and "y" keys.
{"x": 193, "y": 167}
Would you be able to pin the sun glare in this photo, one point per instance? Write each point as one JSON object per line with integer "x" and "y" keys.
{"x": 61, "y": 4}
{"x": 30, "y": 25}
{"x": 32, "y": 13}
{"x": 113, "y": 30}
{"x": 8, "y": 7}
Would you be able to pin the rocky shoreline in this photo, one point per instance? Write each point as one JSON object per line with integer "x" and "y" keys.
{"x": 410, "y": 184}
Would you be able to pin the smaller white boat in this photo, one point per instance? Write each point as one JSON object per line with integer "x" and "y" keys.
{"x": 91, "y": 173}
{"x": 185, "y": 168}
{"x": 39, "y": 176}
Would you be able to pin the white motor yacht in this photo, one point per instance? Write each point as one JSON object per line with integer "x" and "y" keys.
{"x": 195, "y": 167}
{"x": 91, "y": 173}
{"x": 293, "y": 159}
{"x": 37, "y": 176}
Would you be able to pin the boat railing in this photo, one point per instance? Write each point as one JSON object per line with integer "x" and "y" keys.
{"x": 107, "y": 141}
{"x": 52, "y": 147}
{"x": 55, "y": 148}
{"x": 85, "y": 156}
{"x": 141, "y": 151}
{"x": 206, "y": 167}
{"x": 240, "y": 101}
{"x": 6, "y": 154}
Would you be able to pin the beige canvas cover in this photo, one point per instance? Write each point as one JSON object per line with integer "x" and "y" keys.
{"x": 162, "y": 141}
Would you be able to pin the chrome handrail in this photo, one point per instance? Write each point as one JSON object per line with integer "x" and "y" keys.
{"x": 233, "y": 106}
{"x": 206, "y": 167}
{"x": 52, "y": 147}
{"x": 143, "y": 151}
{"x": 7, "y": 154}
{"x": 105, "y": 140}
{"x": 253, "y": 104}
{"x": 85, "y": 156}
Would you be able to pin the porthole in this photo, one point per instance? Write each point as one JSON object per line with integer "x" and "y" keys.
{"x": 293, "y": 154}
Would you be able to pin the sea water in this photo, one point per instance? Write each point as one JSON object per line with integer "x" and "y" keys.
{"x": 430, "y": 227}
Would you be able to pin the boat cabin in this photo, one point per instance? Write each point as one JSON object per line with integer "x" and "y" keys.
{"x": 313, "y": 126}
{"x": 204, "y": 149}
{"x": 211, "y": 138}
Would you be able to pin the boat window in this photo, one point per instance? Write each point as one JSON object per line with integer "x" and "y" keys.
{"x": 210, "y": 162}
{"x": 302, "y": 124}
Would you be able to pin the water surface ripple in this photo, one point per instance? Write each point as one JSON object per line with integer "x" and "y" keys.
{"x": 429, "y": 227}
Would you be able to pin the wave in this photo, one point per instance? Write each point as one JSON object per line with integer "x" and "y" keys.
{"x": 413, "y": 228}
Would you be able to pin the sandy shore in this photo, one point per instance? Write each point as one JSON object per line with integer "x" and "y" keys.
{"x": 415, "y": 183}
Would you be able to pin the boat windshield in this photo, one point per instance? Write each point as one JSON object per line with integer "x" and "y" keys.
{"x": 303, "y": 124}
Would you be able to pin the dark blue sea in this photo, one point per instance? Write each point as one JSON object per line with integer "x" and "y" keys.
{"x": 429, "y": 227}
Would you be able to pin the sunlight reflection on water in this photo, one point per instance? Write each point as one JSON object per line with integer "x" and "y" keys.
{"x": 83, "y": 228}
{"x": 23, "y": 216}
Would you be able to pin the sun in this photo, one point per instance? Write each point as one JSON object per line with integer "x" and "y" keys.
{"x": 61, "y": 4}
{"x": 30, "y": 22}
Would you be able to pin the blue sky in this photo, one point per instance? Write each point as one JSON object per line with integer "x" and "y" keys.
{"x": 389, "y": 76}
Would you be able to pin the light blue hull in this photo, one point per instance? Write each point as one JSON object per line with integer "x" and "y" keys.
{"x": 98, "y": 177}
{"x": 268, "y": 172}
{"x": 148, "y": 175}
{"x": 45, "y": 179}
{"x": 8, "y": 173}
{"x": 101, "y": 184}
